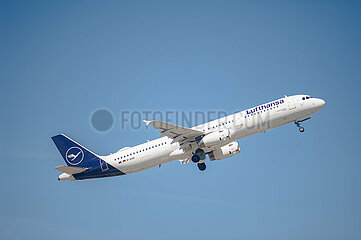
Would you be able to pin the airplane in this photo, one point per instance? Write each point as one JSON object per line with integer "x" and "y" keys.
{"x": 217, "y": 139}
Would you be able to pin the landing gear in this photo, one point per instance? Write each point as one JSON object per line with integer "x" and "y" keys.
{"x": 202, "y": 166}
{"x": 198, "y": 155}
{"x": 301, "y": 129}
{"x": 298, "y": 123}
{"x": 195, "y": 158}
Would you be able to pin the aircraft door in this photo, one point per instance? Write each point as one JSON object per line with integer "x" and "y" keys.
{"x": 103, "y": 165}
{"x": 239, "y": 121}
{"x": 291, "y": 103}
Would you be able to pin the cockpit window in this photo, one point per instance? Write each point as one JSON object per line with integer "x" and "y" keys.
{"x": 307, "y": 97}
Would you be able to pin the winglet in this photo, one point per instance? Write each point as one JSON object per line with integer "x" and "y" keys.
{"x": 146, "y": 122}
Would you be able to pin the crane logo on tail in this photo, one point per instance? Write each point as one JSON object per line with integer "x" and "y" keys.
{"x": 74, "y": 155}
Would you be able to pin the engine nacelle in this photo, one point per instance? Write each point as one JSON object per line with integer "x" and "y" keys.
{"x": 215, "y": 138}
{"x": 224, "y": 152}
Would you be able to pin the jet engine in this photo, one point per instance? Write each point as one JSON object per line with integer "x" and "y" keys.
{"x": 215, "y": 138}
{"x": 226, "y": 151}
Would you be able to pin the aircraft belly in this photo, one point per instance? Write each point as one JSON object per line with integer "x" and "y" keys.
{"x": 144, "y": 162}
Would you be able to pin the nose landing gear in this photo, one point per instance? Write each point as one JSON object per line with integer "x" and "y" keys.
{"x": 301, "y": 129}
{"x": 298, "y": 123}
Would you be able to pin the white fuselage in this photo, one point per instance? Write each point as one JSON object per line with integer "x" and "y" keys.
{"x": 241, "y": 124}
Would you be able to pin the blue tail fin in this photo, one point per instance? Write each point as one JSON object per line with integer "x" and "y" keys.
{"x": 73, "y": 153}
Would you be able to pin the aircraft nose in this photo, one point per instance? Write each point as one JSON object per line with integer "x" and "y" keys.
{"x": 319, "y": 103}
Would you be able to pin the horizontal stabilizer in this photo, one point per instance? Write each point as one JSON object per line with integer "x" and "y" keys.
{"x": 71, "y": 170}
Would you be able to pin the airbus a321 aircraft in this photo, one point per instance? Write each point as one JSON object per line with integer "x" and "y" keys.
{"x": 217, "y": 139}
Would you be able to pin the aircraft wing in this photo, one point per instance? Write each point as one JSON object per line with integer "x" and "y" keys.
{"x": 177, "y": 133}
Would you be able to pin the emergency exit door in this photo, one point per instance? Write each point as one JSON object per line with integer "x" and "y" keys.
{"x": 291, "y": 103}
{"x": 103, "y": 165}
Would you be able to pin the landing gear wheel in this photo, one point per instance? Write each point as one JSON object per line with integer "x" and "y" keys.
{"x": 195, "y": 158}
{"x": 202, "y": 166}
{"x": 301, "y": 129}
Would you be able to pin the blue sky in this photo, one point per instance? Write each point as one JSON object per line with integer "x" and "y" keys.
{"x": 62, "y": 60}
